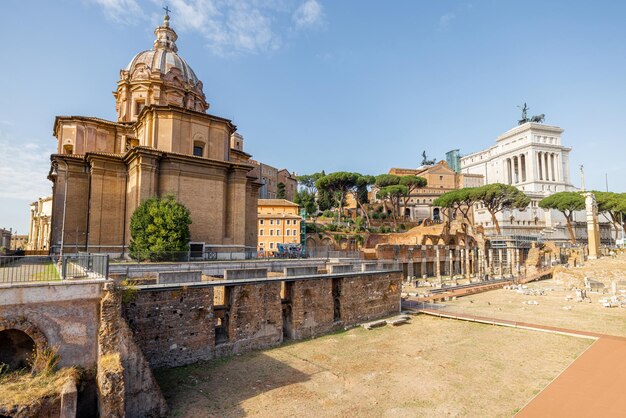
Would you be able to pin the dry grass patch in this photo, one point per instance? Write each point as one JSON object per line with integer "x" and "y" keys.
{"x": 430, "y": 367}
{"x": 553, "y": 308}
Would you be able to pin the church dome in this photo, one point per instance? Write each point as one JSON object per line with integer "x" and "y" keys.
{"x": 158, "y": 76}
{"x": 163, "y": 55}
{"x": 163, "y": 60}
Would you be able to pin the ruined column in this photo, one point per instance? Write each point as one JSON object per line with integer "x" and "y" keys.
{"x": 424, "y": 260}
{"x": 451, "y": 262}
{"x": 517, "y": 261}
{"x": 490, "y": 262}
{"x": 500, "y": 261}
{"x": 438, "y": 263}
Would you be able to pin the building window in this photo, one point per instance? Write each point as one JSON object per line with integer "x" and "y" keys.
{"x": 295, "y": 232}
{"x": 288, "y": 232}
{"x": 271, "y": 245}
{"x": 260, "y": 232}
{"x": 271, "y": 222}
{"x": 271, "y": 232}
{"x": 288, "y": 221}
{"x": 68, "y": 149}
{"x": 277, "y": 221}
{"x": 261, "y": 244}
{"x": 277, "y": 232}
{"x": 440, "y": 177}
{"x": 198, "y": 150}
{"x": 139, "y": 105}
{"x": 261, "y": 222}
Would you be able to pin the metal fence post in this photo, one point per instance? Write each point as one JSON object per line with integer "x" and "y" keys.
{"x": 63, "y": 267}
{"x": 106, "y": 266}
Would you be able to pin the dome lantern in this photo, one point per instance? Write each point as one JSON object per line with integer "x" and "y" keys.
{"x": 158, "y": 76}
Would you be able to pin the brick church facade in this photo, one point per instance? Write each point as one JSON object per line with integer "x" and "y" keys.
{"x": 163, "y": 142}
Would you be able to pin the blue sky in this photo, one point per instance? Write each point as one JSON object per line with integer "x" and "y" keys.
{"x": 335, "y": 85}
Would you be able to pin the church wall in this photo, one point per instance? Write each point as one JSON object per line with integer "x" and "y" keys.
{"x": 76, "y": 206}
{"x": 201, "y": 189}
{"x": 252, "y": 195}
{"x": 107, "y": 203}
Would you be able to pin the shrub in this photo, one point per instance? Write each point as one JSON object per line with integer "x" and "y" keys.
{"x": 158, "y": 228}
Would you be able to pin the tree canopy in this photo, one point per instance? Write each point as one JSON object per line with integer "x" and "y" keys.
{"x": 497, "y": 197}
{"x": 280, "y": 191}
{"x": 460, "y": 200}
{"x": 338, "y": 184}
{"x": 567, "y": 203}
{"x": 159, "y": 228}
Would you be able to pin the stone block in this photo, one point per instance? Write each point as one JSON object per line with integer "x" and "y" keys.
{"x": 300, "y": 271}
{"x": 369, "y": 266}
{"x": 236, "y": 274}
{"x": 340, "y": 268}
{"x": 172, "y": 277}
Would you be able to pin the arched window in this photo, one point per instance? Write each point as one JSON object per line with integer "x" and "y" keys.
{"x": 68, "y": 149}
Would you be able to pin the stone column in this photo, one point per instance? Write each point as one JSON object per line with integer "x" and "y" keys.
{"x": 467, "y": 271}
{"x": 424, "y": 261}
{"x": 500, "y": 261}
{"x": 490, "y": 262}
{"x": 593, "y": 231}
{"x": 451, "y": 262}
{"x": 438, "y": 263}
{"x": 517, "y": 261}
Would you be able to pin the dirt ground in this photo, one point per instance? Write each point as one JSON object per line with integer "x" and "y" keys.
{"x": 605, "y": 270}
{"x": 429, "y": 367}
{"x": 552, "y": 309}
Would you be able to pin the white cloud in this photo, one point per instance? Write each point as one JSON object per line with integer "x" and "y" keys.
{"x": 444, "y": 21}
{"x": 121, "y": 11}
{"x": 24, "y": 167}
{"x": 229, "y": 26}
{"x": 309, "y": 14}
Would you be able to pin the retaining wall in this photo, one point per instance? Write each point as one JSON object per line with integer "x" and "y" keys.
{"x": 174, "y": 326}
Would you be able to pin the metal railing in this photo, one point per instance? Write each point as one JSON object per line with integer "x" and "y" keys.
{"x": 24, "y": 269}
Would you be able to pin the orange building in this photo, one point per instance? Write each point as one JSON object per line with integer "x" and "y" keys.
{"x": 279, "y": 223}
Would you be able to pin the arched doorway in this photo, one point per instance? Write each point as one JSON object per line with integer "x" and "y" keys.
{"x": 16, "y": 349}
{"x": 436, "y": 214}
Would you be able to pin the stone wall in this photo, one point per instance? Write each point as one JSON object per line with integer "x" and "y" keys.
{"x": 255, "y": 319}
{"x": 174, "y": 326}
{"x": 66, "y": 313}
{"x": 312, "y": 308}
{"x": 182, "y": 324}
{"x": 127, "y": 387}
{"x": 363, "y": 300}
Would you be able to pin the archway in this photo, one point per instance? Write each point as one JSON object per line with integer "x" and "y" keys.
{"x": 16, "y": 349}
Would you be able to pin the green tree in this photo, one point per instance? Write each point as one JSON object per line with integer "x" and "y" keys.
{"x": 497, "y": 197}
{"x": 306, "y": 200}
{"x": 612, "y": 206}
{"x": 360, "y": 190}
{"x": 280, "y": 191}
{"x": 159, "y": 227}
{"x": 460, "y": 200}
{"x": 412, "y": 183}
{"x": 393, "y": 193}
{"x": 338, "y": 184}
{"x": 308, "y": 181}
{"x": 567, "y": 203}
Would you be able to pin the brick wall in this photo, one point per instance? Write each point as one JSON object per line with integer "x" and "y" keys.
{"x": 174, "y": 327}
{"x": 312, "y": 308}
{"x": 363, "y": 300}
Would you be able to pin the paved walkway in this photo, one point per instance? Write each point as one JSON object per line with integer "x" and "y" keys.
{"x": 594, "y": 385}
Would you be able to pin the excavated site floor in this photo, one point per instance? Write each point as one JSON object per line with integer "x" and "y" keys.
{"x": 428, "y": 367}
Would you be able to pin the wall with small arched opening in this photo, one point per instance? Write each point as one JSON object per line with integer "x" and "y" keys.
{"x": 20, "y": 343}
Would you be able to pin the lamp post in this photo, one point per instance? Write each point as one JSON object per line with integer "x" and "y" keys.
{"x": 67, "y": 176}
